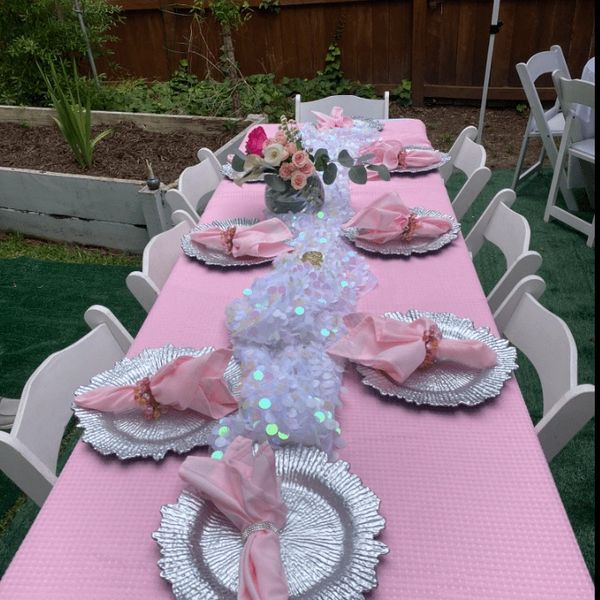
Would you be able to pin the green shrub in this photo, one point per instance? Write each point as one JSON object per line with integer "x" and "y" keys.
{"x": 44, "y": 30}
{"x": 403, "y": 93}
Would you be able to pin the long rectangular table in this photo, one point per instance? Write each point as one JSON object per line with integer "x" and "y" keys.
{"x": 470, "y": 505}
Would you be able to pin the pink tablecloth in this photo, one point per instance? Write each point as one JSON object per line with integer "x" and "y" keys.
{"x": 472, "y": 511}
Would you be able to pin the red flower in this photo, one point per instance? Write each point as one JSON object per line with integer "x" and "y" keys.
{"x": 255, "y": 141}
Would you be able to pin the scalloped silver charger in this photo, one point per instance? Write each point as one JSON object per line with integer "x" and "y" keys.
{"x": 328, "y": 548}
{"x": 131, "y": 435}
{"x": 443, "y": 383}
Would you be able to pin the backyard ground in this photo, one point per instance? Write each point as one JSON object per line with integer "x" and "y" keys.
{"x": 123, "y": 153}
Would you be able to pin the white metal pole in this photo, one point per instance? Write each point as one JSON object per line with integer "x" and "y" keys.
{"x": 494, "y": 28}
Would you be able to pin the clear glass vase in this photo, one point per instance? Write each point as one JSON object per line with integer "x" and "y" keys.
{"x": 309, "y": 199}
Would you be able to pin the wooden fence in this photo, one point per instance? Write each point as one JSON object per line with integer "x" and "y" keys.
{"x": 440, "y": 45}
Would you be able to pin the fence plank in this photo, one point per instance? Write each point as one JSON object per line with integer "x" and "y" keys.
{"x": 440, "y": 44}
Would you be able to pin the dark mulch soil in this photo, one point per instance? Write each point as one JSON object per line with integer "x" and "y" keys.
{"x": 121, "y": 155}
{"x": 502, "y": 134}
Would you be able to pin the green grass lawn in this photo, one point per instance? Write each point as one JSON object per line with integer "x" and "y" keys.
{"x": 45, "y": 289}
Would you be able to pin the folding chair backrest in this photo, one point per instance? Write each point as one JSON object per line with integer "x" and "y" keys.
{"x": 548, "y": 343}
{"x": 508, "y": 231}
{"x": 197, "y": 180}
{"x": 45, "y": 407}
{"x": 470, "y": 157}
{"x": 447, "y": 169}
{"x": 539, "y": 64}
{"x": 574, "y": 91}
{"x": 161, "y": 253}
{"x": 353, "y": 106}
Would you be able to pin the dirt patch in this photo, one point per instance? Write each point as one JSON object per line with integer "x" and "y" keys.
{"x": 121, "y": 155}
{"x": 502, "y": 134}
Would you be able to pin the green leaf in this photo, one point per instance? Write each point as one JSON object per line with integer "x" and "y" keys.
{"x": 320, "y": 153}
{"x": 358, "y": 174}
{"x": 345, "y": 159}
{"x": 275, "y": 182}
{"x": 237, "y": 163}
{"x": 330, "y": 173}
{"x": 365, "y": 158}
{"x": 381, "y": 170}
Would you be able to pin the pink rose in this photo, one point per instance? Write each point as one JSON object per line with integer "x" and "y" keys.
{"x": 308, "y": 168}
{"x": 285, "y": 170}
{"x": 255, "y": 141}
{"x": 280, "y": 138}
{"x": 291, "y": 148}
{"x": 300, "y": 158}
{"x": 298, "y": 180}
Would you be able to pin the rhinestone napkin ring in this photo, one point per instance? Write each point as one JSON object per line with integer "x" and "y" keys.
{"x": 144, "y": 397}
{"x": 258, "y": 527}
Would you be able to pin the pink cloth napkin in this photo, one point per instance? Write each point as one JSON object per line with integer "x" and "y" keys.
{"x": 194, "y": 383}
{"x": 335, "y": 119}
{"x": 394, "y": 155}
{"x": 387, "y": 218}
{"x": 399, "y": 349}
{"x": 265, "y": 239}
{"x": 245, "y": 489}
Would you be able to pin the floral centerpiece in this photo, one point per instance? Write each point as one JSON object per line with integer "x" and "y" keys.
{"x": 289, "y": 169}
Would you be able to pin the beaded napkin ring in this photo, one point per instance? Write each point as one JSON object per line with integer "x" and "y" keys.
{"x": 267, "y": 525}
{"x": 227, "y": 236}
{"x": 431, "y": 337}
{"x": 409, "y": 228}
{"x": 144, "y": 397}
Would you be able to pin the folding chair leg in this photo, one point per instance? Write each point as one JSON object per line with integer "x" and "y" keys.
{"x": 520, "y": 160}
{"x": 552, "y": 152}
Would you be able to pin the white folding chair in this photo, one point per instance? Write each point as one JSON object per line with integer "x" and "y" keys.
{"x": 182, "y": 216}
{"x": 468, "y": 157}
{"x": 542, "y": 124}
{"x": 160, "y": 254}
{"x": 572, "y": 92}
{"x": 353, "y": 106}
{"x": 510, "y": 232}
{"x": 548, "y": 343}
{"x": 196, "y": 185}
{"x": 29, "y": 453}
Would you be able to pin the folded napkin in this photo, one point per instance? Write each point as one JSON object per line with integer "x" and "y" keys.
{"x": 335, "y": 119}
{"x": 265, "y": 239}
{"x": 394, "y": 155}
{"x": 194, "y": 383}
{"x": 399, "y": 349}
{"x": 245, "y": 489}
{"x": 387, "y": 218}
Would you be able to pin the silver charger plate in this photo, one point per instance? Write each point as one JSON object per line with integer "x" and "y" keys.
{"x": 444, "y": 159}
{"x": 328, "y": 548}
{"x": 230, "y": 173}
{"x": 443, "y": 383}
{"x": 131, "y": 435}
{"x": 414, "y": 246}
{"x": 210, "y": 256}
{"x": 370, "y": 123}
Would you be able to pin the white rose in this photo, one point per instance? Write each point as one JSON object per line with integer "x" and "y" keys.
{"x": 274, "y": 154}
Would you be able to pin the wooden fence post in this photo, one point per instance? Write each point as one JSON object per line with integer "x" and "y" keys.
{"x": 419, "y": 48}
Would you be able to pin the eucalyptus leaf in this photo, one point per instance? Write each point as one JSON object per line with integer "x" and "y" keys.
{"x": 237, "y": 163}
{"x": 275, "y": 182}
{"x": 358, "y": 174}
{"x": 345, "y": 159}
{"x": 381, "y": 170}
{"x": 330, "y": 173}
{"x": 365, "y": 158}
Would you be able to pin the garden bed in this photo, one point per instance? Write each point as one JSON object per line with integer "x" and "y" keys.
{"x": 44, "y": 192}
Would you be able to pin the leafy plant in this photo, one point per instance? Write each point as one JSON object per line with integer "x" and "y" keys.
{"x": 45, "y": 31}
{"x": 74, "y": 118}
{"x": 522, "y": 108}
{"x": 403, "y": 93}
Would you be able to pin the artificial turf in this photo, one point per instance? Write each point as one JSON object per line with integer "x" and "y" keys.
{"x": 42, "y": 304}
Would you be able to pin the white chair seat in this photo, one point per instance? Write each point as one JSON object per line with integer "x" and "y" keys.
{"x": 556, "y": 125}
{"x": 585, "y": 149}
